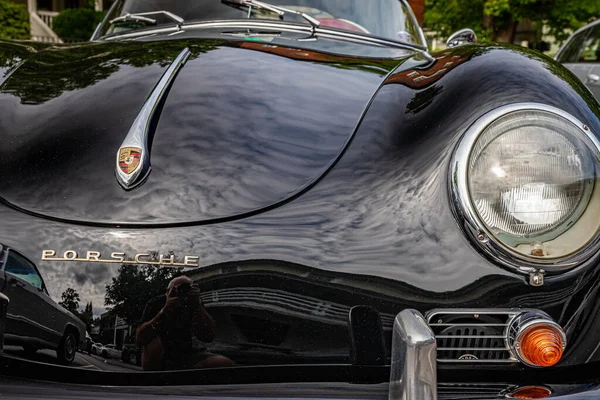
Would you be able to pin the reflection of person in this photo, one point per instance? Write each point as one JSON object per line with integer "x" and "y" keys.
{"x": 167, "y": 326}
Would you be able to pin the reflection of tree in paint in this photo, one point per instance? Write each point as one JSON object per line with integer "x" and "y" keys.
{"x": 66, "y": 68}
{"x": 12, "y": 53}
{"x": 50, "y": 73}
{"x": 133, "y": 286}
{"x": 377, "y": 66}
{"x": 423, "y": 99}
{"x": 70, "y": 300}
{"x": 423, "y": 77}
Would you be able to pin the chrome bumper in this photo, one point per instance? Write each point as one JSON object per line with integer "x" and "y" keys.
{"x": 413, "y": 366}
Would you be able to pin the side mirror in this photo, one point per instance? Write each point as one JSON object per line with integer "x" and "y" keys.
{"x": 464, "y": 36}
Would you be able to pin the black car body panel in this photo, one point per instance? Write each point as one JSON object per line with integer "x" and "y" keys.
{"x": 305, "y": 184}
{"x": 226, "y": 98}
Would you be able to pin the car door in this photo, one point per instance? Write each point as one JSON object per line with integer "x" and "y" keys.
{"x": 581, "y": 55}
{"x": 30, "y": 311}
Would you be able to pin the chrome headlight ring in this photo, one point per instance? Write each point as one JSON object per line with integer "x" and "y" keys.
{"x": 499, "y": 204}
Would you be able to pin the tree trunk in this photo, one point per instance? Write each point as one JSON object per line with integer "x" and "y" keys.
{"x": 488, "y": 25}
{"x": 513, "y": 31}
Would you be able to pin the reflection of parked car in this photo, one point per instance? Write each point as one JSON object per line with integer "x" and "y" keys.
{"x": 34, "y": 320}
{"x": 131, "y": 354}
{"x": 581, "y": 54}
{"x": 87, "y": 346}
{"x": 110, "y": 351}
{"x": 97, "y": 348}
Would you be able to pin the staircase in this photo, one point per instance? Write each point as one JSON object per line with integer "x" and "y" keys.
{"x": 41, "y": 26}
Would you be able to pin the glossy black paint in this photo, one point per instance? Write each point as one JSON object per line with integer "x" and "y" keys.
{"x": 364, "y": 221}
{"x": 237, "y": 133}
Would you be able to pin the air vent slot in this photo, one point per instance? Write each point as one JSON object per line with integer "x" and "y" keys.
{"x": 472, "y": 335}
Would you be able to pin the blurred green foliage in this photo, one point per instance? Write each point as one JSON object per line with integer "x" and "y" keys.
{"x": 497, "y": 19}
{"x": 77, "y": 24}
{"x": 14, "y": 21}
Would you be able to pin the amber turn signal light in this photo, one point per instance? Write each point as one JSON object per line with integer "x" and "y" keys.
{"x": 541, "y": 345}
{"x": 531, "y": 392}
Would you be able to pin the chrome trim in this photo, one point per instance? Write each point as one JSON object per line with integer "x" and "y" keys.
{"x": 465, "y": 212}
{"x": 521, "y": 323}
{"x": 568, "y": 41}
{"x": 463, "y": 36}
{"x": 137, "y": 17}
{"x": 137, "y": 137}
{"x": 518, "y": 320}
{"x": 276, "y": 9}
{"x": 96, "y": 32}
{"x": 415, "y": 22}
{"x": 101, "y": 25}
{"x": 174, "y": 17}
{"x": 313, "y": 21}
{"x": 432, "y": 315}
{"x": 413, "y": 372}
{"x": 141, "y": 33}
{"x": 479, "y": 311}
{"x": 11, "y": 71}
{"x": 264, "y": 24}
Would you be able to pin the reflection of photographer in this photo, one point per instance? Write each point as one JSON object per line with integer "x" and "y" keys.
{"x": 167, "y": 327}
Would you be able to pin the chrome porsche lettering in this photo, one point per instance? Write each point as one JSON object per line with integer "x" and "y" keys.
{"x": 138, "y": 257}
{"x": 191, "y": 260}
{"x": 70, "y": 255}
{"x": 46, "y": 254}
{"x": 168, "y": 260}
{"x": 120, "y": 257}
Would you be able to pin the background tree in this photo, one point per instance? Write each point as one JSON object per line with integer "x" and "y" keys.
{"x": 77, "y": 24}
{"x": 497, "y": 20}
{"x": 134, "y": 285}
{"x": 87, "y": 316}
{"x": 70, "y": 300}
{"x": 14, "y": 21}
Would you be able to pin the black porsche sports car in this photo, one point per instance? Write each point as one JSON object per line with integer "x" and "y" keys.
{"x": 296, "y": 198}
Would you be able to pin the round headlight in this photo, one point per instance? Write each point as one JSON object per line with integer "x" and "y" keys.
{"x": 524, "y": 182}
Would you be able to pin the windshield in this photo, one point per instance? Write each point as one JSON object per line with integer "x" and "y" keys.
{"x": 390, "y": 19}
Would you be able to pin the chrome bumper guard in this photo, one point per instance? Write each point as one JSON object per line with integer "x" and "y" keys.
{"x": 413, "y": 373}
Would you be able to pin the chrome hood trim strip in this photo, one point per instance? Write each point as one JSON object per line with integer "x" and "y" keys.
{"x": 133, "y": 158}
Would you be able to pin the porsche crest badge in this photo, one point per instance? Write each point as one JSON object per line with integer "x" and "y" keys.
{"x": 129, "y": 159}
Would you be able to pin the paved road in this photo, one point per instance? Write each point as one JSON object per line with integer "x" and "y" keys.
{"x": 82, "y": 360}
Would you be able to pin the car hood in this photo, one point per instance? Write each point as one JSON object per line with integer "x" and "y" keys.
{"x": 245, "y": 127}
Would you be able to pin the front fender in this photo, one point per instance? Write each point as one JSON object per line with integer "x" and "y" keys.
{"x": 404, "y": 145}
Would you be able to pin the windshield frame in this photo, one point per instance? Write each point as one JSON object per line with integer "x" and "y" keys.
{"x": 267, "y": 24}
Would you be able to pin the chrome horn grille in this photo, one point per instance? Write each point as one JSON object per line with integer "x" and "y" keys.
{"x": 472, "y": 336}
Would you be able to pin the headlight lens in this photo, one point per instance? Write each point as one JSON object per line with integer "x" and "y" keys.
{"x": 529, "y": 182}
